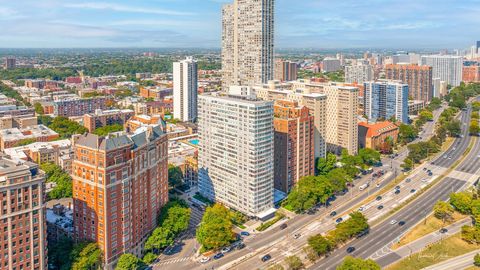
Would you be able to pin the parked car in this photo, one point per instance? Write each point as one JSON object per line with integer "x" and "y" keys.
{"x": 204, "y": 259}
{"x": 283, "y": 226}
{"x": 241, "y": 246}
{"x": 226, "y": 250}
{"x": 339, "y": 220}
{"x": 266, "y": 258}
{"x": 244, "y": 233}
{"x": 218, "y": 256}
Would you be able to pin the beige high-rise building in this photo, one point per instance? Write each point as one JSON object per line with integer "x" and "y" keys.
{"x": 341, "y": 113}
{"x": 247, "y": 42}
{"x": 316, "y": 103}
{"x": 285, "y": 71}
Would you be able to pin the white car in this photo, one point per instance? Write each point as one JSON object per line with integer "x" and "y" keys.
{"x": 296, "y": 236}
{"x": 393, "y": 222}
{"x": 204, "y": 259}
{"x": 226, "y": 249}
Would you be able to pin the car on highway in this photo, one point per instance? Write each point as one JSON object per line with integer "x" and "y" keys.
{"x": 226, "y": 250}
{"x": 443, "y": 230}
{"x": 204, "y": 259}
{"x": 378, "y": 185}
{"x": 380, "y": 207}
{"x": 425, "y": 180}
{"x": 393, "y": 222}
{"x": 241, "y": 246}
{"x": 378, "y": 198}
{"x": 413, "y": 190}
{"x": 339, "y": 220}
{"x": 449, "y": 157}
{"x": 408, "y": 180}
{"x": 397, "y": 191}
{"x": 361, "y": 209}
{"x": 218, "y": 256}
{"x": 283, "y": 226}
{"x": 296, "y": 236}
{"x": 334, "y": 213}
{"x": 350, "y": 249}
{"x": 397, "y": 187}
{"x": 445, "y": 156}
{"x": 244, "y": 233}
{"x": 364, "y": 186}
{"x": 401, "y": 223}
{"x": 266, "y": 258}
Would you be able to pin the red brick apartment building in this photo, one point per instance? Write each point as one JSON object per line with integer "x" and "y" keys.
{"x": 294, "y": 155}
{"x": 78, "y": 107}
{"x": 120, "y": 183}
{"x": 101, "y": 118}
{"x": 418, "y": 78}
{"x": 23, "y": 228}
{"x": 471, "y": 74}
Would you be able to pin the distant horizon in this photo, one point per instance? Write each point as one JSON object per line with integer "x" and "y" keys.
{"x": 317, "y": 24}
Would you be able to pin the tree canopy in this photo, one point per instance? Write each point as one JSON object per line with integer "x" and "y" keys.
{"x": 129, "y": 262}
{"x": 215, "y": 230}
{"x": 104, "y": 131}
{"x": 62, "y": 180}
{"x": 350, "y": 263}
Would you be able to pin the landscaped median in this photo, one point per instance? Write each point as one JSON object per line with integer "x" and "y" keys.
{"x": 268, "y": 224}
{"x": 445, "y": 249}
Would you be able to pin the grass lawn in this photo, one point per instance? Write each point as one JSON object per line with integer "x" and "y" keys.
{"x": 422, "y": 229}
{"x": 450, "y": 247}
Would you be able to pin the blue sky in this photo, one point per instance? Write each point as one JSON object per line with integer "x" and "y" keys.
{"x": 197, "y": 23}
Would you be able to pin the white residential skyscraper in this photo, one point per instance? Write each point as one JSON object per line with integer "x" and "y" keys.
{"x": 185, "y": 90}
{"x": 384, "y": 99}
{"x": 235, "y": 158}
{"x": 247, "y": 42}
{"x": 446, "y": 67}
{"x": 358, "y": 73}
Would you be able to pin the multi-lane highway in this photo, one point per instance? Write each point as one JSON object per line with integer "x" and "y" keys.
{"x": 385, "y": 233}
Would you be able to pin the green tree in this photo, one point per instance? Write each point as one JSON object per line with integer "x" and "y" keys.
{"x": 87, "y": 256}
{"x": 104, "y": 131}
{"x": 294, "y": 262}
{"x": 426, "y": 115}
{"x": 59, "y": 254}
{"x": 407, "y": 133}
{"x": 476, "y": 260}
{"x": 462, "y": 201}
{"x": 276, "y": 267}
{"x": 443, "y": 210}
{"x": 471, "y": 234}
{"x": 159, "y": 239}
{"x": 454, "y": 128}
{"x": 355, "y": 225}
{"x": 215, "y": 230}
{"x": 350, "y": 263}
{"x": 407, "y": 164}
{"x": 320, "y": 244}
{"x": 38, "y": 108}
{"x": 62, "y": 180}
{"x": 175, "y": 176}
{"x": 66, "y": 127}
{"x": 474, "y": 128}
{"x": 338, "y": 177}
{"x": 325, "y": 165}
{"x": 369, "y": 156}
{"x": 149, "y": 258}
{"x": 129, "y": 262}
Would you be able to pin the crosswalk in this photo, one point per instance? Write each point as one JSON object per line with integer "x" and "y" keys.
{"x": 171, "y": 261}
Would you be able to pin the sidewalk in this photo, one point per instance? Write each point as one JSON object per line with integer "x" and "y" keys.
{"x": 460, "y": 262}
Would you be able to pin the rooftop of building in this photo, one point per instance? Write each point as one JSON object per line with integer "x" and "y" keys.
{"x": 136, "y": 139}
{"x": 375, "y": 129}
{"x": 9, "y": 168}
{"x": 18, "y": 153}
{"x": 60, "y": 213}
{"x": 16, "y": 134}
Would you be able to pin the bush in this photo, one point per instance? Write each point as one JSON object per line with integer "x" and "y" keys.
{"x": 476, "y": 260}
{"x": 268, "y": 224}
{"x": 443, "y": 210}
{"x": 294, "y": 263}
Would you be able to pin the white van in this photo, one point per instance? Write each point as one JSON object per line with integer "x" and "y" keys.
{"x": 362, "y": 187}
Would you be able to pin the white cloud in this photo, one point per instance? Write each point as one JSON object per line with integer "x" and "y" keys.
{"x": 124, "y": 8}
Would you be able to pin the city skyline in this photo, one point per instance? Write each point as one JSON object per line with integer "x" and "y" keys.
{"x": 195, "y": 23}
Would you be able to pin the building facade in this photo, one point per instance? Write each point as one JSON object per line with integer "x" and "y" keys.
{"x": 446, "y": 67}
{"x": 78, "y": 107}
{"x": 10, "y": 63}
{"x": 13, "y": 136}
{"x": 185, "y": 90}
{"x": 315, "y": 102}
{"x": 294, "y": 144}
{"x": 358, "y": 74}
{"x": 101, "y": 118}
{"x": 23, "y": 228}
{"x": 418, "y": 78}
{"x": 471, "y": 73}
{"x": 385, "y": 99}
{"x": 375, "y": 135}
{"x": 247, "y": 42}
{"x": 235, "y": 157}
{"x": 330, "y": 64}
{"x": 120, "y": 184}
{"x": 285, "y": 71}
